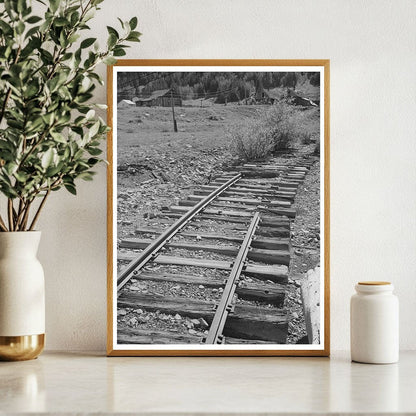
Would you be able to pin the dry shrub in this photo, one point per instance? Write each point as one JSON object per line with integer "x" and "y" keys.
{"x": 279, "y": 123}
{"x": 250, "y": 141}
{"x": 271, "y": 130}
{"x": 278, "y": 128}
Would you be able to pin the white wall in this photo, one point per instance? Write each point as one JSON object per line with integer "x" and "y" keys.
{"x": 371, "y": 45}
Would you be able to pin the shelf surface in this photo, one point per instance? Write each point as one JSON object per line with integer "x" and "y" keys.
{"x": 91, "y": 383}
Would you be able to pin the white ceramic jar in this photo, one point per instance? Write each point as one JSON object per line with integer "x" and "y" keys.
{"x": 374, "y": 323}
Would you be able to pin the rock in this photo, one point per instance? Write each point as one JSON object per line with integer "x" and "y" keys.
{"x": 189, "y": 324}
{"x": 178, "y": 317}
{"x": 196, "y": 322}
{"x": 143, "y": 319}
{"x": 295, "y": 315}
{"x": 138, "y": 311}
{"x": 203, "y": 323}
{"x": 215, "y": 290}
{"x": 176, "y": 287}
{"x": 121, "y": 312}
{"x": 192, "y": 331}
{"x": 220, "y": 290}
{"x": 201, "y": 286}
{"x": 133, "y": 322}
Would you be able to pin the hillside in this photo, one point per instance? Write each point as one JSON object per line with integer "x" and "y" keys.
{"x": 218, "y": 86}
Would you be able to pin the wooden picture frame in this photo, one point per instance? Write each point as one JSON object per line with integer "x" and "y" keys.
{"x": 290, "y": 175}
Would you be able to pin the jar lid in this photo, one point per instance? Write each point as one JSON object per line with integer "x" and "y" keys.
{"x": 374, "y": 283}
{"x": 373, "y": 287}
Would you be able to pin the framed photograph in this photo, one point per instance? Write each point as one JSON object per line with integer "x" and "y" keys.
{"x": 218, "y": 207}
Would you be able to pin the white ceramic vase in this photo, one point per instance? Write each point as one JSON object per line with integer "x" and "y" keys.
{"x": 374, "y": 323}
{"x": 22, "y": 296}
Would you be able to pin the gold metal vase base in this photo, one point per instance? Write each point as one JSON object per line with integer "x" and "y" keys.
{"x": 21, "y": 348}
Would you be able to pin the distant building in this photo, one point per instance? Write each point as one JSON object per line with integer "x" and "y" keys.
{"x": 161, "y": 98}
{"x": 273, "y": 96}
{"x": 296, "y": 99}
{"x": 125, "y": 104}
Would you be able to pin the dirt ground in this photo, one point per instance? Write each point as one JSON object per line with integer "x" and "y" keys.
{"x": 157, "y": 167}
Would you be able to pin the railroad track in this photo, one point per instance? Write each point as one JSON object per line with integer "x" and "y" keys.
{"x": 239, "y": 224}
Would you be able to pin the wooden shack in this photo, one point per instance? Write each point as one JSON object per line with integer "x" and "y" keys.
{"x": 159, "y": 98}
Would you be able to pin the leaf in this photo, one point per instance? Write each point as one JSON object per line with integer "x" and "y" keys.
{"x": 63, "y": 41}
{"x": 94, "y": 151}
{"x": 33, "y": 19}
{"x": 31, "y": 31}
{"x": 74, "y": 18}
{"x": 31, "y": 90}
{"x": 112, "y": 41}
{"x": 94, "y": 129}
{"x": 61, "y": 21}
{"x": 133, "y": 23}
{"x": 112, "y": 31}
{"x": 119, "y": 52}
{"x": 54, "y": 4}
{"x": 21, "y": 6}
{"x": 110, "y": 60}
{"x": 10, "y": 8}
{"x": 47, "y": 158}
{"x": 87, "y": 42}
{"x": 58, "y": 137}
{"x": 86, "y": 176}
{"x": 70, "y": 188}
{"x": 21, "y": 177}
{"x": 48, "y": 118}
{"x": 7, "y": 29}
{"x": 20, "y": 27}
{"x": 52, "y": 171}
{"x": 121, "y": 22}
{"x": 74, "y": 38}
{"x": 10, "y": 168}
{"x": 34, "y": 125}
{"x": 134, "y": 36}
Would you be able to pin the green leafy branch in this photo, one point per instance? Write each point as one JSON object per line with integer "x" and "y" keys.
{"x": 50, "y": 134}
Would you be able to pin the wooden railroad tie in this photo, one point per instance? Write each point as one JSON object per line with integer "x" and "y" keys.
{"x": 275, "y": 273}
{"x": 248, "y": 322}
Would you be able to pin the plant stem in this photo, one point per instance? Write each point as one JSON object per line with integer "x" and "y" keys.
{"x": 21, "y": 212}
{"x": 10, "y": 213}
{"x": 32, "y": 149}
{"x": 25, "y": 216}
{"x": 35, "y": 218}
{"x": 2, "y": 224}
{"x": 17, "y": 217}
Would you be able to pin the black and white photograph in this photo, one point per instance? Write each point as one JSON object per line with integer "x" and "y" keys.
{"x": 218, "y": 208}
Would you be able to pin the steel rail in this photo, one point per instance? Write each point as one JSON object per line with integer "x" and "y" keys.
{"x": 152, "y": 249}
{"x": 225, "y": 306}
